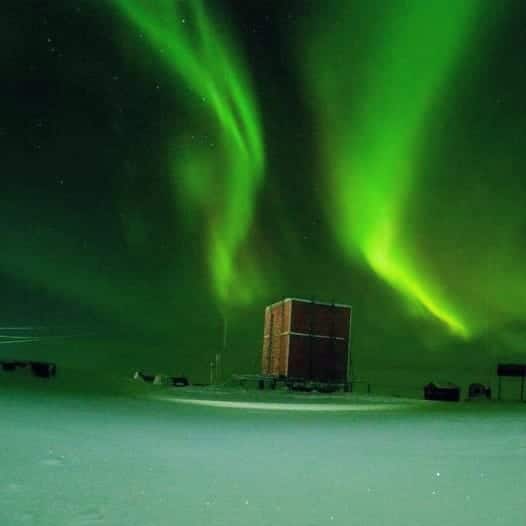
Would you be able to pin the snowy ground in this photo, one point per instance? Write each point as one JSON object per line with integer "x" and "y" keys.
{"x": 228, "y": 458}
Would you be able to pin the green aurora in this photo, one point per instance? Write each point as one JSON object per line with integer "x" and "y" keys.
{"x": 218, "y": 180}
{"x": 373, "y": 137}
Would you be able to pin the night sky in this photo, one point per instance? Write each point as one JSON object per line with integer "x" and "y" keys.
{"x": 167, "y": 168}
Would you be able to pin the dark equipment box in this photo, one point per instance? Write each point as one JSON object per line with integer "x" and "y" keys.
{"x": 307, "y": 340}
{"x": 511, "y": 371}
{"x": 444, "y": 393}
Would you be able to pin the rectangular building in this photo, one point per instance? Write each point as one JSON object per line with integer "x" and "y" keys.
{"x": 306, "y": 339}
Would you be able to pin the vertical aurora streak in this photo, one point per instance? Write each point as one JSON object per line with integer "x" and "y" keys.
{"x": 216, "y": 179}
{"x": 374, "y": 95}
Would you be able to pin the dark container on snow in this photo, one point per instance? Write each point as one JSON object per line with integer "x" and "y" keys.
{"x": 444, "y": 393}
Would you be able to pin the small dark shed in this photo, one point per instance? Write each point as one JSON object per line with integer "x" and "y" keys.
{"x": 514, "y": 373}
{"x": 444, "y": 393}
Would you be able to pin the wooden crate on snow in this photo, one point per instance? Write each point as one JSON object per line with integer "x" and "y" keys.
{"x": 306, "y": 339}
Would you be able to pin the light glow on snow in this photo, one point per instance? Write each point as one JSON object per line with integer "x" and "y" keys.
{"x": 275, "y": 406}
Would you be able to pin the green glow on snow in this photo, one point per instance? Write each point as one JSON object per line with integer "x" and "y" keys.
{"x": 218, "y": 178}
{"x": 374, "y": 94}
